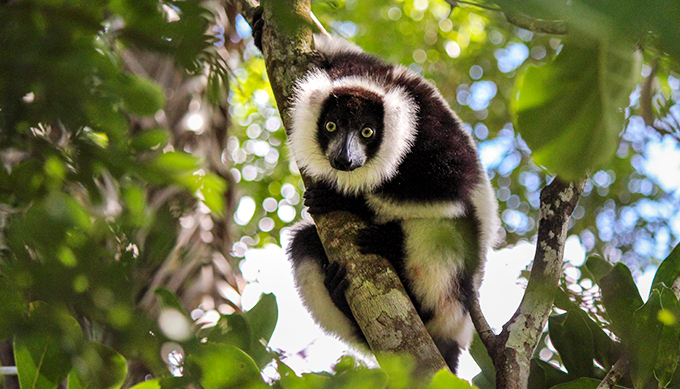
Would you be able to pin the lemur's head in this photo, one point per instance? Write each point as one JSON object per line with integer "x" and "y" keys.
{"x": 350, "y": 132}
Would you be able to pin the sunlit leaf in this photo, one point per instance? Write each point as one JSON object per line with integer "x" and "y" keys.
{"x": 570, "y": 111}
{"x": 225, "y": 367}
{"x": 444, "y": 379}
{"x": 150, "y": 384}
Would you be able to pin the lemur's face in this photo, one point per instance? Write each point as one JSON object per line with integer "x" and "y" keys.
{"x": 350, "y": 127}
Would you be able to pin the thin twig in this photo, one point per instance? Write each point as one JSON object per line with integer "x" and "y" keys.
{"x": 615, "y": 373}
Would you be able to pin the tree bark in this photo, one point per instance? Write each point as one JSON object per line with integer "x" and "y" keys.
{"x": 515, "y": 344}
{"x": 375, "y": 294}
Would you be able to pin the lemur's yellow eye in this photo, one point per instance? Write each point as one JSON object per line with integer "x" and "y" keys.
{"x": 330, "y": 126}
{"x": 367, "y": 132}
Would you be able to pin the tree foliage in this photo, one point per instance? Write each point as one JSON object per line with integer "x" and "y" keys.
{"x": 142, "y": 155}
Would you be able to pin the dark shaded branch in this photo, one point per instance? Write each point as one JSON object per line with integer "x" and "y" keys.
{"x": 617, "y": 371}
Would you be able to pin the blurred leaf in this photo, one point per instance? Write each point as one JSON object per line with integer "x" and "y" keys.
{"x": 149, "y": 139}
{"x": 141, "y": 96}
{"x": 150, "y": 384}
{"x": 289, "y": 380}
{"x": 570, "y": 111}
{"x": 573, "y": 340}
{"x": 41, "y": 359}
{"x": 444, "y": 379}
{"x": 169, "y": 300}
{"x": 12, "y": 306}
{"x": 224, "y": 367}
{"x": 669, "y": 270}
{"x": 644, "y": 342}
{"x": 621, "y": 299}
{"x": 100, "y": 367}
{"x": 543, "y": 375}
{"x": 233, "y": 330}
{"x": 212, "y": 189}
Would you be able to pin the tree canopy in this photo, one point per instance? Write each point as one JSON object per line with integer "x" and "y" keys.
{"x": 143, "y": 154}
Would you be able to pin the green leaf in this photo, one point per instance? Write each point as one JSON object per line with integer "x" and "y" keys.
{"x": 12, "y": 306}
{"x": 570, "y": 111}
{"x": 289, "y": 380}
{"x": 444, "y": 379}
{"x": 597, "y": 267}
{"x": 262, "y": 319}
{"x": 669, "y": 270}
{"x": 573, "y": 340}
{"x": 621, "y": 298}
{"x": 42, "y": 360}
{"x": 98, "y": 367}
{"x": 233, "y": 330}
{"x": 168, "y": 299}
{"x": 644, "y": 341}
{"x": 543, "y": 375}
{"x": 141, "y": 96}
{"x": 150, "y": 384}
{"x": 483, "y": 360}
{"x": 581, "y": 383}
{"x": 668, "y": 351}
{"x": 225, "y": 367}
{"x": 150, "y": 139}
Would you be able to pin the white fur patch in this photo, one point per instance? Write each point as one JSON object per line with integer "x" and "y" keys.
{"x": 486, "y": 207}
{"x": 315, "y": 297}
{"x": 399, "y": 122}
{"x": 388, "y": 210}
{"x": 434, "y": 263}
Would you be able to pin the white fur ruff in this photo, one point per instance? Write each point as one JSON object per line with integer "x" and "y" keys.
{"x": 400, "y": 132}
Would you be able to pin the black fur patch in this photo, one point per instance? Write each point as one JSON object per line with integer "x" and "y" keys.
{"x": 352, "y": 109}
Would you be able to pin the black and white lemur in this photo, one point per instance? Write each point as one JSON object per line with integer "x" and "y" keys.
{"x": 380, "y": 141}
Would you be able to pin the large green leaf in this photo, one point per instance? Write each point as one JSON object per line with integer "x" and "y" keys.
{"x": 226, "y": 367}
{"x": 669, "y": 270}
{"x": 570, "y": 111}
{"x": 621, "y": 298}
{"x": 573, "y": 340}
{"x": 643, "y": 342}
{"x": 99, "y": 367}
